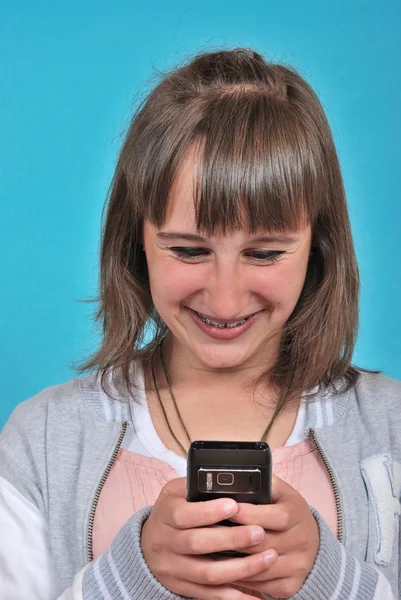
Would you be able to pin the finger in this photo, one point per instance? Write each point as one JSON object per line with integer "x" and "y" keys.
{"x": 282, "y": 541}
{"x": 209, "y": 572}
{"x": 282, "y": 514}
{"x": 275, "y": 517}
{"x": 284, "y": 496}
{"x": 187, "y": 515}
{"x": 290, "y": 565}
{"x": 216, "y": 539}
{"x": 209, "y": 592}
{"x": 285, "y": 587}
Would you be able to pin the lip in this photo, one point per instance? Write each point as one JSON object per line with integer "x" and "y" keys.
{"x": 223, "y": 333}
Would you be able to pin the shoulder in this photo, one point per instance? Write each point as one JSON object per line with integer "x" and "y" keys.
{"x": 378, "y": 391}
{"x": 33, "y": 427}
{"x": 375, "y": 403}
{"x": 56, "y": 427}
{"x": 76, "y": 401}
{"x": 62, "y": 398}
{"x": 56, "y": 407}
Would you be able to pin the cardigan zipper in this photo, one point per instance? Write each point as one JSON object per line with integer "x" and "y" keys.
{"x": 99, "y": 491}
{"x": 333, "y": 480}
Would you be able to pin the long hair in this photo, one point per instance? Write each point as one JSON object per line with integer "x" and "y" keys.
{"x": 265, "y": 145}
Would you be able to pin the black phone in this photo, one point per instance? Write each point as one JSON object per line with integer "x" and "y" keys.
{"x": 238, "y": 470}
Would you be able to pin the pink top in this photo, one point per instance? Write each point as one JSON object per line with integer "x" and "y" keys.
{"x": 135, "y": 481}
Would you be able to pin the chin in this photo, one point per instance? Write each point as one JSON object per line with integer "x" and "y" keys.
{"x": 222, "y": 358}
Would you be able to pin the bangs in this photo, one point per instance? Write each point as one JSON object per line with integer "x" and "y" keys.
{"x": 260, "y": 164}
{"x": 257, "y": 168}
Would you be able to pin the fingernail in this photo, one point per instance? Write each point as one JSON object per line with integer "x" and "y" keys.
{"x": 257, "y": 534}
{"x": 269, "y": 557}
{"x": 230, "y": 508}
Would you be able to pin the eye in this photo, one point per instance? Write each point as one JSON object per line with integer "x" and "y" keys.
{"x": 260, "y": 256}
{"x": 189, "y": 253}
{"x": 266, "y": 256}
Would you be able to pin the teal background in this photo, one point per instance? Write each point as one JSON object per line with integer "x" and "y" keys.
{"x": 70, "y": 73}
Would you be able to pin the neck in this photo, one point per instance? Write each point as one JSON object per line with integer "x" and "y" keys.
{"x": 187, "y": 373}
{"x": 210, "y": 406}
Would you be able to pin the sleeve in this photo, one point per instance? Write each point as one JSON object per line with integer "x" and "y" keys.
{"x": 122, "y": 572}
{"x": 26, "y": 565}
{"x": 338, "y": 576}
{"x": 26, "y": 569}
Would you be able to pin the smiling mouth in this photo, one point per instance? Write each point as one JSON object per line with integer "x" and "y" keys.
{"x": 221, "y": 325}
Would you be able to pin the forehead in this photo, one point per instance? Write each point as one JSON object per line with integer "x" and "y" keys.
{"x": 181, "y": 210}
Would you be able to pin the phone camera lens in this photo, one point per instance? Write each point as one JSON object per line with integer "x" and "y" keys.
{"x": 225, "y": 478}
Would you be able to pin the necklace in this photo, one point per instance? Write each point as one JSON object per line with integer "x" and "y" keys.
{"x": 277, "y": 410}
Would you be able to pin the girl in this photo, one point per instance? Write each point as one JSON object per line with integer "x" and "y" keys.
{"x": 227, "y": 242}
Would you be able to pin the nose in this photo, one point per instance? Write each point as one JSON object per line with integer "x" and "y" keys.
{"x": 225, "y": 292}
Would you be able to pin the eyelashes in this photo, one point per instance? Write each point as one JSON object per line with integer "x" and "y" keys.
{"x": 194, "y": 254}
{"x": 266, "y": 255}
{"x": 188, "y": 253}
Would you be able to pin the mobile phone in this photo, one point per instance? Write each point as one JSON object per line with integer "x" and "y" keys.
{"x": 238, "y": 470}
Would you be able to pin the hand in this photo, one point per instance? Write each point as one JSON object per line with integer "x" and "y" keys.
{"x": 175, "y": 536}
{"x": 292, "y": 531}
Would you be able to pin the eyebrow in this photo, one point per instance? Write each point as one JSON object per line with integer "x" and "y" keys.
{"x": 194, "y": 237}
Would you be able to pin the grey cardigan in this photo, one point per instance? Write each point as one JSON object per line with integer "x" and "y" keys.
{"x": 57, "y": 447}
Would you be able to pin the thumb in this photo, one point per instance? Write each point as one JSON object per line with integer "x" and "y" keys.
{"x": 176, "y": 486}
{"x": 281, "y": 490}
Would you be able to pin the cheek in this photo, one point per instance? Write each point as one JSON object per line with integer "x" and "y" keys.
{"x": 172, "y": 281}
{"x": 283, "y": 286}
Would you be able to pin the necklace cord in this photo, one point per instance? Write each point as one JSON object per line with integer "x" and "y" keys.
{"x": 170, "y": 389}
{"x": 266, "y": 432}
{"x": 164, "y": 411}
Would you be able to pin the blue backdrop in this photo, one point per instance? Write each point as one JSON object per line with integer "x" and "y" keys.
{"x": 70, "y": 74}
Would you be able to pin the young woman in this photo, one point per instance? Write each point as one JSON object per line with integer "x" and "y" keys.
{"x": 228, "y": 302}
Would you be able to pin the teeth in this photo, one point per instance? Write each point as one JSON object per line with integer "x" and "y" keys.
{"x": 221, "y": 325}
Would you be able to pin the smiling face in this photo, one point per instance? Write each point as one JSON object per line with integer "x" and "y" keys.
{"x": 225, "y": 278}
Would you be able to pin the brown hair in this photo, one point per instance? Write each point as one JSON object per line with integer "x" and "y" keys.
{"x": 266, "y": 146}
